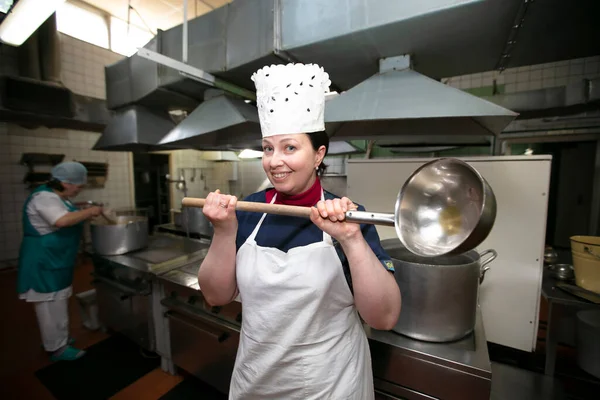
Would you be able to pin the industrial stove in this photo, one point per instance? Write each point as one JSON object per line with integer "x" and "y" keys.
{"x": 128, "y": 294}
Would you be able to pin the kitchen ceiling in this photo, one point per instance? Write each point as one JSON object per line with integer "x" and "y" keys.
{"x": 157, "y": 14}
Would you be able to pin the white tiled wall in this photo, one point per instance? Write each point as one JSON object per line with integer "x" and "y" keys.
{"x": 335, "y": 165}
{"x": 83, "y": 66}
{"x": 252, "y": 178}
{"x": 533, "y": 76}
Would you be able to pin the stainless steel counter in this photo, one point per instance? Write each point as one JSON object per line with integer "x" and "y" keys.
{"x": 186, "y": 275}
{"x": 414, "y": 369}
{"x": 163, "y": 253}
{"x": 562, "y": 307}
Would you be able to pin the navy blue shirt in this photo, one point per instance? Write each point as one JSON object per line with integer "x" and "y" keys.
{"x": 285, "y": 233}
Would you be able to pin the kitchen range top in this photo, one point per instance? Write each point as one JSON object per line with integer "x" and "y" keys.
{"x": 186, "y": 275}
{"x": 163, "y": 253}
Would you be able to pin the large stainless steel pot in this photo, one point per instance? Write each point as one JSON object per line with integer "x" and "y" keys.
{"x": 439, "y": 294}
{"x": 195, "y": 220}
{"x": 128, "y": 234}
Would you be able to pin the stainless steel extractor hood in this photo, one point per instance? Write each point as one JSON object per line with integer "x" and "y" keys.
{"x": 137, "y": 129}
{"x": 415, "y": 141}
{"x": 219, "y": 123}
{"x": 348, "y": 38}
{"x": 399, "y": 101}
{"x": 228, "y": 123}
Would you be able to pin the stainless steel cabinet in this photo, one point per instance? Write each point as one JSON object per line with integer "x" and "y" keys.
{"x": 204, "y": 346}
{"x": 126, "y": 311}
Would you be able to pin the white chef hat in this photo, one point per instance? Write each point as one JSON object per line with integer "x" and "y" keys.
{"x": 291, "y": 98}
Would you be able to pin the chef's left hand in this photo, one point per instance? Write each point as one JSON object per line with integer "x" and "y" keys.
{"x": 329, "y": 215}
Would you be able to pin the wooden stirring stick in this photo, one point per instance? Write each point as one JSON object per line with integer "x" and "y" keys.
{"x": 279, "y": 209}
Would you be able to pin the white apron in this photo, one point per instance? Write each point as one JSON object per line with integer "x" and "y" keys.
{"x": 301, "y": 335}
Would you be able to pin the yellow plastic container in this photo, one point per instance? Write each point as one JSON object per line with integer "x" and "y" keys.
{"x": 586, "y": 261}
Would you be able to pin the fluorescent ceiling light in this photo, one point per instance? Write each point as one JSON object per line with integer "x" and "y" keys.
{"x": 25, "y": 18}
{"x": 331, "y": 95}
{"x": 247, "y": 153}
{"x": 5, "y": 5}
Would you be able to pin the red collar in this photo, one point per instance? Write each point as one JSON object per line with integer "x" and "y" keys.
{"x": 307, "y": 199}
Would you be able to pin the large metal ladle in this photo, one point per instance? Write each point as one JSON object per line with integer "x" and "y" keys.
{"x": 445, "y": 207}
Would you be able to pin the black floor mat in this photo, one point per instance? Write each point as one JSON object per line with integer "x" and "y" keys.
{"x": 108, "y": 367}
{"x": 192, "y": 388}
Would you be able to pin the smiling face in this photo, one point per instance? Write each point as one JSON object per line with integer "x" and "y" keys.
{"x": 290, "y": 162}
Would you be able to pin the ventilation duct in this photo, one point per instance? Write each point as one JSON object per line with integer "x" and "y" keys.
{"x": 38, "y": 98}
{"x": 347, "y": 38}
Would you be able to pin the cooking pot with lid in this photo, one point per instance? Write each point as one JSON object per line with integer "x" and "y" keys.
{"x": 439, "y": 294}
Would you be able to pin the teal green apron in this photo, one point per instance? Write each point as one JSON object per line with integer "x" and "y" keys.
{"x": 47, "y": 262}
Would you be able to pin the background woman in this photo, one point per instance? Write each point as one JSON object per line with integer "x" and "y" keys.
{"x": 52, "y": 228}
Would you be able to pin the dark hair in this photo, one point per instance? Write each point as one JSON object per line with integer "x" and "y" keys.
{"x": 55, "y": 184}
{"x": 318, "y": 139}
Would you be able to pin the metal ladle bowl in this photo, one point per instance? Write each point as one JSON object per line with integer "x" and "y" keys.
{"x": 445, "y": 207}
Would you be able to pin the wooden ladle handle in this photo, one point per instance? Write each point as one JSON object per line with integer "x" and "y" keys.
{"x": 279, "y": 209}
{"x": 362, "y": 217}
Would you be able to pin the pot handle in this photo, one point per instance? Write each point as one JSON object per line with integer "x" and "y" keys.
{"x": 590, "y": 252}
{"x": 483, "y": 267}
{"x": 129, "y": 223}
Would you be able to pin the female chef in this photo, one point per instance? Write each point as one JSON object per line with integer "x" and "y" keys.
{"x": 52, "y": 228}
{"x": 302, "y": 283}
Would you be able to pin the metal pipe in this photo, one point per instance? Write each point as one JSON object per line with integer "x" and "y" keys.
{"x": 511, "y": 41}
{"x": 128, "y": 17}
{"x": 185, "y": 193}
{"x": 187, "y": 215}
{"x": 185, "y": 32}
{"x": 595, "y": 212}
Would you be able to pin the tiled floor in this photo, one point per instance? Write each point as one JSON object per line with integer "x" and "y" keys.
{"x": 22, "y": 355}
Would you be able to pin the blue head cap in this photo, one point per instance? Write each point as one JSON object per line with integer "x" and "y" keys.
{"x": 70, "y": 172}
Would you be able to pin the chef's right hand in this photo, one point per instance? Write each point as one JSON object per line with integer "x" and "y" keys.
{"x": 94, "y": 211}
{"x": 219, "y": 209}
